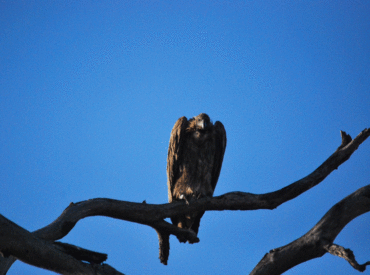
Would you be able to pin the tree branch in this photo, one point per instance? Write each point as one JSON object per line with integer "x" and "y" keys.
{"x": 154, "y": 215}
{"x": 23, "y": 245}
{"x": 319, "y": 240}
{"x": 81, "y": 254}
{"x": 346, "y": 254}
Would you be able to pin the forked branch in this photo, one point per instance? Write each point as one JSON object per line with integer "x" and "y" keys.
{"x": 319, "y": 240}
{"x": 57, "y": 257}
{"x": 154, "y": 215}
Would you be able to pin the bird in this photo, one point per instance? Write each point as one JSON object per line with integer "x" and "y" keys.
{"x": 195, "y": 155}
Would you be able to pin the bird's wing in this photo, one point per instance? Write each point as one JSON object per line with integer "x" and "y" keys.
{"x": 220, "y": 137}
{"x": 174, "y": 156}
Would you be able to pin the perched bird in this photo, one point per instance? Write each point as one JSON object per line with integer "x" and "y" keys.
{"x": 194, "y": 161}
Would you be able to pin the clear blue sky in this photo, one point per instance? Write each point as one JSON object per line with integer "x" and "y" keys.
{"x": 90, "y": 90}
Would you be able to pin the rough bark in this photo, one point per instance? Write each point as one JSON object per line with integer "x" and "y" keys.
{"x": 154, "y": 215}
{"x": 346, "y": 254}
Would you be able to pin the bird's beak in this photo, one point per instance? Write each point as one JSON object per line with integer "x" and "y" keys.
{"x": 201, "y": 124}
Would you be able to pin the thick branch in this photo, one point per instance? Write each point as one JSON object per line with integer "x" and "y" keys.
{"x": 81, "y": 254}
{"x": 23, "y": 245}
{"x": 154, "y": 215}
{"x": 316, "y": 242}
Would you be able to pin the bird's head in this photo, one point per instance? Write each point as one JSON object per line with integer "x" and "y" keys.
{"x": 202, "y": 122}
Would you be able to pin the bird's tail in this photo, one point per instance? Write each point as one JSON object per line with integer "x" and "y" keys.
{"x": 164, "y": 246}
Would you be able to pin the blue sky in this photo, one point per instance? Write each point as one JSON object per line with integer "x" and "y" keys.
{"x": 90, "y": 90}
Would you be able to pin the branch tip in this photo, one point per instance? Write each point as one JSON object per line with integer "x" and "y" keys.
{"x": 346, "y": 138}
{"x": 346, "y": 254}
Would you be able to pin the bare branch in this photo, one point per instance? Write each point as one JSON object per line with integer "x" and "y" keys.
{"x": 164, "y": 226}
{"x": 23, "y": 245}
{"x": 6, "y": 263}
{"x": 81, "y": 254}
{"x": 346, "y": 254}
{"x": 154, "y": 215}
{"x": 342, "y": 154}
{"x": 316, "y": 242}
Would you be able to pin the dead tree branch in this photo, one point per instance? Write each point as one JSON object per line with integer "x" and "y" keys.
{"x": 346, "y": 254}
{"x": 18, "y": 242}
{"x": 154, "y": 215}
{"x": 319, "y": 240}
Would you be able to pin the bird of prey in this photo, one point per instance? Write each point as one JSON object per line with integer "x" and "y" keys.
{"x": 194, "y": 161}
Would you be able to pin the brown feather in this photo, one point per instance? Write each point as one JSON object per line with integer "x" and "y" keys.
{"x": 174, "y": 151}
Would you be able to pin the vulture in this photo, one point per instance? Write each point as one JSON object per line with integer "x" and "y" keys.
{"x": 194, "y": 161}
